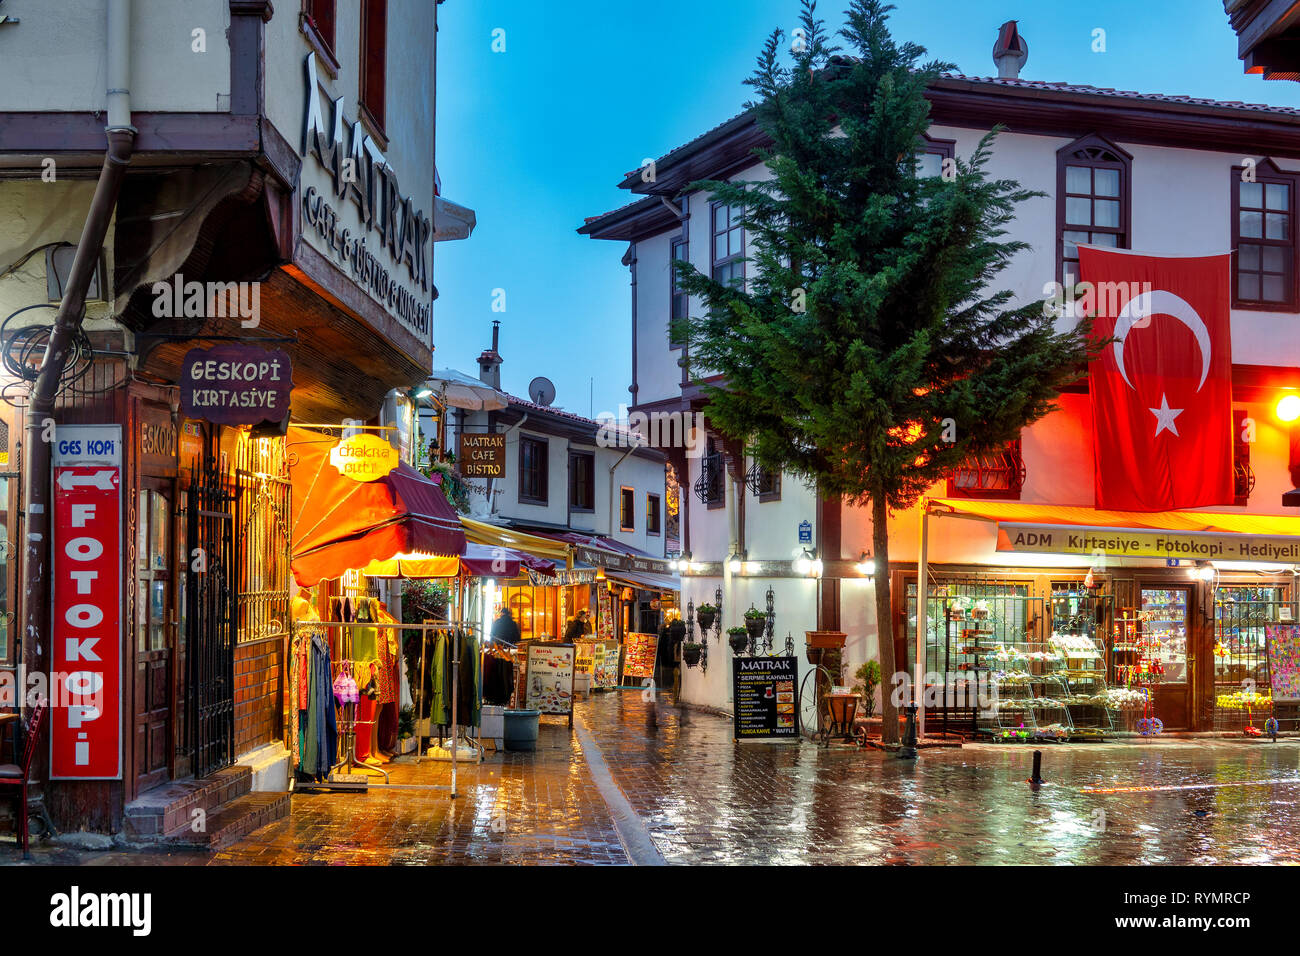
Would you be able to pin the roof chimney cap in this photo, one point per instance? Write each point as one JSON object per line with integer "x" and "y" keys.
{"x": 1010, "y": 51}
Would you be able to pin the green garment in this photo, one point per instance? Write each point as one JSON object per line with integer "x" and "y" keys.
{"x": 365, "y": 640}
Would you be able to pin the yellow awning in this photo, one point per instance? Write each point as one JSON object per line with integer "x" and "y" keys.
{"x": 480, "y": 532}
{"x": 1026, "y": 513}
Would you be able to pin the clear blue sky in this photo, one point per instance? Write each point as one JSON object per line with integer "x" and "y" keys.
{"x": 536, "y": 138}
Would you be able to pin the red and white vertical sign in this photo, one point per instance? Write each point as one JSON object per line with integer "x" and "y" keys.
{"x": 86, "y": 660}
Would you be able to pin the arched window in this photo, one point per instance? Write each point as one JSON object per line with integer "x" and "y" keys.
{"x": 1094, "y": 192}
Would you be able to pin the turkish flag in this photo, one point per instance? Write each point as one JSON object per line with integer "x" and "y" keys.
{"x": 1162, "y": 392}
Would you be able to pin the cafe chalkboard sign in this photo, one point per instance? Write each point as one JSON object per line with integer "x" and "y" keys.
{"x": 236, "y": 384}
{"x": 765, "y": 691}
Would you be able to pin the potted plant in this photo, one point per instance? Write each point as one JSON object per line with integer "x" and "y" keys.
{"x": 738, "y": 637}
{"x": 868, "y": 679}
{"x": 755, "y": 622}
{"x": 677, "y": 630}
{"x": 706, "y": 614}
{"x": 691, "y": 653}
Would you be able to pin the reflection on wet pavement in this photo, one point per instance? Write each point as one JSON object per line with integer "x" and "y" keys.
{"x": 704, "y": 799}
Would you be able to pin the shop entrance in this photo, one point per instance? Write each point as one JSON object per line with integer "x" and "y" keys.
{"x": 1166, "y": 622}
{"x": 210, "y": 615}
{"x": 156, "y": 631}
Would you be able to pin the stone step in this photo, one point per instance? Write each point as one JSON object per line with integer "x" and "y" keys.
{"x": 171, "y": 807}
{"x": 230, "y": 822}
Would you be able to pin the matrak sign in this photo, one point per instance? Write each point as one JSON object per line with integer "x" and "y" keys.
{"x": 482, "y": 455}
{"x": 236, "y": 384}
{"x": 1144, "y": 543}
{"x": 86, "y": 649}
{"x": 364, "y": 457}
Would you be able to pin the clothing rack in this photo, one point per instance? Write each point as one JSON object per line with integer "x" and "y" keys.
{"x": 456, "y": 731}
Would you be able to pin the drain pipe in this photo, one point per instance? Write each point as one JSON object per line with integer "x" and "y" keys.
{"x": 67, "y": 324}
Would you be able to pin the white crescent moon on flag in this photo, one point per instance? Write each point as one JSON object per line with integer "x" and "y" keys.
{"x": 1160, "y": 302}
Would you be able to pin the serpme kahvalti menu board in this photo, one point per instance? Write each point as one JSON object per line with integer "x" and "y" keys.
{"x": 86, "y": 734}
{"x": 764, "y": 694}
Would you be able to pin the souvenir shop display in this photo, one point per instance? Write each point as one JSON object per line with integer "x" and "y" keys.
{"x": 1137, "y": 666}
{"x": 1079, "y": 624}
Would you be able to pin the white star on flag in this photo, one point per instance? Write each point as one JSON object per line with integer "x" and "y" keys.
{"x": 1165, "y": 416}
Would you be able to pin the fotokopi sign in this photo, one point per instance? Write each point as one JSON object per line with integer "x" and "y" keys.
{"x": 86, "y": 650}
{"x": 364, "y": 457}
{"x": 1144, "y": 543}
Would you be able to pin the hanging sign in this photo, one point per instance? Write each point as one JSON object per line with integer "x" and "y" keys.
{"x": 639, "y": 659}
{"x": 364, "y": 457}
{"x": 763, "y": 692}
{"x": 236, "y": 384}
{"x": 482, "y": 455}
{"x": 86, "y": 649}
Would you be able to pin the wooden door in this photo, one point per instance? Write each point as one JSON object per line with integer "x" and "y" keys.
{"x": 155, "y": 632}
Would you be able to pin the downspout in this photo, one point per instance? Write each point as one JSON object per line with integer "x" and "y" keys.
{"x": 67, "y": 324}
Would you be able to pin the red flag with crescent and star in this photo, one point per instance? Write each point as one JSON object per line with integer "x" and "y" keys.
{"x": 1162, "y": 389}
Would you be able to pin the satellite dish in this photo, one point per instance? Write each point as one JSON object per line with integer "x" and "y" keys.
{"x": 541, "y": 391}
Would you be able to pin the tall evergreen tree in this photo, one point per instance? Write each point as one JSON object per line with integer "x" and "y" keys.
{"x": 865, "y": 352}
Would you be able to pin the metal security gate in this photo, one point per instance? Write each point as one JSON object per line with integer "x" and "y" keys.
{"x": 210, "y": 614}
{"x": 1242, "y": 685}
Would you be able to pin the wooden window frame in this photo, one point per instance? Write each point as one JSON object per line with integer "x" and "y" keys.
{"x": 626, "y": 497}
{"x": 1122, "y": 161}
{"x": 527, "y": 499}
{"x": 943, "y": 148}
{"x": 653, "y": 510}
{"x": 732, "y": 258}
{"x": 773, "y": 492}
{"x": 590, "y": 459}
{"x": 375, "y": 118}
{"x": 321, "y": 36}
{"x": 1266, "y": 172}
{"x": 673, "y": 291}
{"x": 1017, "y": 479}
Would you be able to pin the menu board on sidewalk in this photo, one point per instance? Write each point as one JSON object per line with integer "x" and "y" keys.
{"x": 1284, "y": 661}
{"x": 639, "y": 655}
{"x": 765, "y": 698}
{"x": 605, "y": 673}
{"x": 585, "y": 662}
{"x": 549, "y": 680}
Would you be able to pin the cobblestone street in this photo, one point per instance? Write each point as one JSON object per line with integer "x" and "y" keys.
{"x": 696, "y": 797}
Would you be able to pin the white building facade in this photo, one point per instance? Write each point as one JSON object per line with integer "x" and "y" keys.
{"x": 1173, "y": 185}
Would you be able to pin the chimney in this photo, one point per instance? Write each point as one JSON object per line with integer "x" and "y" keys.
{"x": 489, "y": 363}
{"x": 1010, "y": 52}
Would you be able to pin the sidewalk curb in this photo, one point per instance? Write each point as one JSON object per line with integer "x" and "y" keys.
{"x": 632, "y": 832}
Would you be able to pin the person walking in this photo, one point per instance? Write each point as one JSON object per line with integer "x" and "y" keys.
{"x": 504, "y": 628}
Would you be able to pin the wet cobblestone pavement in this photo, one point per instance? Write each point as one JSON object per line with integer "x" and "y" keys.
{"x": 696, "y": 797}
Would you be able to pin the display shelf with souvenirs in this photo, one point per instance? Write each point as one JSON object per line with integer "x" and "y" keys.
{"x": 1080, "y": 625}
{"x": 1135, "y": 667}
{"x": 1244, "y": 614}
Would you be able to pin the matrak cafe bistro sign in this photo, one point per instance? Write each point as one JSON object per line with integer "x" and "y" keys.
{"x": 1143, "y": 543}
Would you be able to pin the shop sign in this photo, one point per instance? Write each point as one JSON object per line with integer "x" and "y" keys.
{"x": 550, "y": 678}
{"x": 191, "y": 442}
{"x": 236, "y": 384}
{"x": 606, "y": 657}
{"x": 615, "y": 561}
{"x": 1142, "y": 543}
{"x": 364, "y": 457}
{"x": 639, "y": 659}
{"x": 86, "y": 651}
{"x": 482, "y": 455}
{"x": 158, "y": 440}
{"x": 392, "y": 226}
{"x": 766, "y": 704}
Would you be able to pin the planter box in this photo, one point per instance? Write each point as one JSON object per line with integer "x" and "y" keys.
{"x": 819, "y": 642}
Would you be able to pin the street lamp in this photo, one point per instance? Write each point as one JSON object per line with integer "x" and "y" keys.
{"x": 866, "y": 566}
